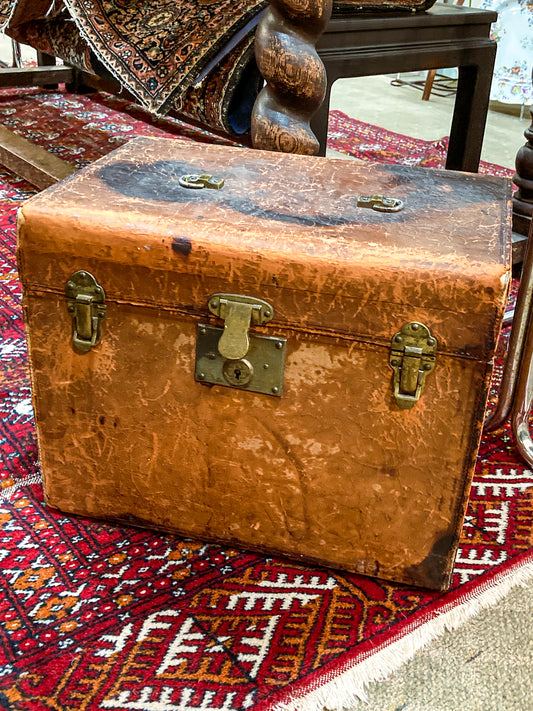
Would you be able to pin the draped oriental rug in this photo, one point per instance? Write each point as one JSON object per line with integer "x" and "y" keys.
{"x": 95, "y": 616}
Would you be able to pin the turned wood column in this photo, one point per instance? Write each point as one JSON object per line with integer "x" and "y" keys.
{"x": 523, "y": 178}
{"x": 294, "y": 74}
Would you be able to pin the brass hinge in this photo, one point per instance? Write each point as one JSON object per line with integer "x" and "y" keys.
{"x": 85, "y": 300}
{"x": 234, "y": 357}
{"x": 412, "y": 357}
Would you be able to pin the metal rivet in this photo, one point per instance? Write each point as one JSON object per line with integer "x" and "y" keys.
{"x": 414, "y": 326}
{"x": 265, "y": 366}
{"x": 71, "y": 285}
{"x": 275, "y": 390}
{"x": 203, "y": 330}
{"x": 394, "y": 362}
{"x": 398, "y": 339}
{"x": 431, "y": 341}
{"x": 214, "y": 304}
{"x": 279, "y": 345}
{"x": 427, "y": 366}
{"x": 267, "y": 314}
{"x": 211, "y": 356}
{"x": 201, "y": 376}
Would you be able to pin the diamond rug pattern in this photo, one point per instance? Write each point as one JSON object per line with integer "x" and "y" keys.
{"x": 95, "y": 616}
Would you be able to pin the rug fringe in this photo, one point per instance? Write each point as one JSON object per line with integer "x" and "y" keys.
{"x": 7, "y": 493}
{"x": 349, "y": 686}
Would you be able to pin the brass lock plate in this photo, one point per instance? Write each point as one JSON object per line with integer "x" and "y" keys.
{"x": 259, "y": 371}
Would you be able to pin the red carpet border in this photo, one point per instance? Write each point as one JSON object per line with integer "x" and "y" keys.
{"x": 93, "y": 616}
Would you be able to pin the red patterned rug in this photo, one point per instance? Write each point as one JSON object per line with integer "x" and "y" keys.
{"x": 93, "y": 616}
{"x": 361, "y": 140}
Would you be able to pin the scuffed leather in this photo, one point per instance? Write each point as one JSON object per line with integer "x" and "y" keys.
{"x": 332, "y": 472}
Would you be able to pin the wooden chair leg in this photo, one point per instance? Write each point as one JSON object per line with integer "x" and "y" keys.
{"x": 428, "y": 86}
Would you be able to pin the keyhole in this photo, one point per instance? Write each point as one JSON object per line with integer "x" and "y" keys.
{"x": 238, "y": 373}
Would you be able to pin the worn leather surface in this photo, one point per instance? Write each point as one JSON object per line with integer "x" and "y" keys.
{"x": 333, "y": 471}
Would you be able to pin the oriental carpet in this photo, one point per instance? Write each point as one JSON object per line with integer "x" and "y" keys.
{"x": 195, "y": 57}
{"x": 155, "y": 49}
{"x": 95, "y": 616}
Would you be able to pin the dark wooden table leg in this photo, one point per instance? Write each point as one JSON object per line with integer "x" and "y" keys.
{"x": 470, "y": 113}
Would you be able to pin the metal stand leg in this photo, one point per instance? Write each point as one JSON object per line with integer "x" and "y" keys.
{"x": 515, "y": 349}
{"x": 523, "y": 399}
{"x": 516, "y": 390}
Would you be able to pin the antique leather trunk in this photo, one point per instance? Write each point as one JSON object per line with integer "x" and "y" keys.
{"x": 288, "y": 362}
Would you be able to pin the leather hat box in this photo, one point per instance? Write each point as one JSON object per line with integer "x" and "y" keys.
{"x": 284, "y": 353}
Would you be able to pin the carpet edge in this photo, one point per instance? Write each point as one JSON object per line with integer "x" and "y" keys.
{"x": 349, "y": 686}
{"x": 7, "y": 494}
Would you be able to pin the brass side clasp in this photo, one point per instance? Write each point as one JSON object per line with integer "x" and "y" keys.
{"x": 412, "y": 357}
{"x": 85, "y": 301}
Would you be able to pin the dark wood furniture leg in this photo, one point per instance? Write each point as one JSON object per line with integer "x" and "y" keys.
{"x": 470, "y": 111}
{"x": 46, "y": 60}
{"x": 444, "y": 36}
{"x": 523, "y": 179}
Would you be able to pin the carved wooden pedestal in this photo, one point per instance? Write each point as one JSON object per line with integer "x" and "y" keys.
{"x": 523, "y": 178}
{"x": 294, "y": 74}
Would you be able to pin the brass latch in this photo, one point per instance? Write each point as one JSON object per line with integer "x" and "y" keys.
{"x": 238, "y": 312}
{"x": 233, "y": 356}
{"x": 198, "y": 182}
{"x": 412, "y": 357}
{"x": 86, "y": 304}
{"x": 379, "y": 203}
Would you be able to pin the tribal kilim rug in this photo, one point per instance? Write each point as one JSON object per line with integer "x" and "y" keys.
{"x": 95, "y": 616}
